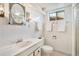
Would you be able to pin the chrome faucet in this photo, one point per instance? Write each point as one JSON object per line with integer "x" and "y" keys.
{"x": 54, "y": 37}
{"x": 19, "y": 40}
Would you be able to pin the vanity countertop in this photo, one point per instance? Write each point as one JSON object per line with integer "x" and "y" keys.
{"x": 12, "y": 50}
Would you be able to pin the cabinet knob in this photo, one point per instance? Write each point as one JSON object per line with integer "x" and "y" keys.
{"x": 33, "y": 53}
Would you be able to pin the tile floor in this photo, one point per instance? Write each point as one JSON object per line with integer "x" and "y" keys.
{"x": 57, "y": 53}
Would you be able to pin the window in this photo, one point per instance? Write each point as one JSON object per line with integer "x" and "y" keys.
{"x": 52, "y": 16}
{"x": 59, "y": 15}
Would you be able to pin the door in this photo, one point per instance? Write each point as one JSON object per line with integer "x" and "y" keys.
{"x": 77, "y": 30}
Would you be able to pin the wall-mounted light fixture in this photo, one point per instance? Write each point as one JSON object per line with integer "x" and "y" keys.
{"x": 1, "y": 10}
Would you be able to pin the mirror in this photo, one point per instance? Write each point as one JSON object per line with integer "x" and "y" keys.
{"x": 17, "y": 13}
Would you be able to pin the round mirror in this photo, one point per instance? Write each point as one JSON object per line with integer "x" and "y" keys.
{"x": 17, "y": 13}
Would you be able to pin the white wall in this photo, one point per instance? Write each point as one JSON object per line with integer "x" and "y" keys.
{"x": 10, "y": 33}
{"x": 63, "y": 42}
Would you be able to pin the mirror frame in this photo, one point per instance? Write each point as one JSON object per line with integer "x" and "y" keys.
{"x": 10, "y": 15}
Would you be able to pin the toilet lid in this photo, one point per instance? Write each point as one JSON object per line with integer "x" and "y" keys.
{"x": 47, "y": 48}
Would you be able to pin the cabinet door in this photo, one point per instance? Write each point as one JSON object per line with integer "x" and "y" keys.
{"x": 31, "y": 54}
{"x": 38, "y": 52}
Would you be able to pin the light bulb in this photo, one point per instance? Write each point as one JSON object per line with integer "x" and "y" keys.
{"x": 1, "y": 8}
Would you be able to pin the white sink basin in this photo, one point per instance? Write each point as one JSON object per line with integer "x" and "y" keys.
{"x": 23, "y": 44}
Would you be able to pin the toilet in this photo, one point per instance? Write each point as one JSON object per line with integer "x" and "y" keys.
{"x": 46, "y": 50}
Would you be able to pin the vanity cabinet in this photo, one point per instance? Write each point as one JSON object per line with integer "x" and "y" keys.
{"x": 34, "y": 50}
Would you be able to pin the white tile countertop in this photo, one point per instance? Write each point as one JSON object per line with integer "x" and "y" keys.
{"x": 14, "y": 49}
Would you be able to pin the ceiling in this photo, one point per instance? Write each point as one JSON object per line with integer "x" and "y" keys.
{"x": 48, "y": 6}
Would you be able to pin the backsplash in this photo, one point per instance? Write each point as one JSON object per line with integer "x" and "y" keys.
{"x": 11, "y": 33}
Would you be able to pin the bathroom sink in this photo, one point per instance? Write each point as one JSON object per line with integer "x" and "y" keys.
{"x": 17, "y": 48}
{"x": 23, "y": 44}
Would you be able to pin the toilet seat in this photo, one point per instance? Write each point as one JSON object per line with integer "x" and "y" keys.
{"x": 47, "y": 48}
